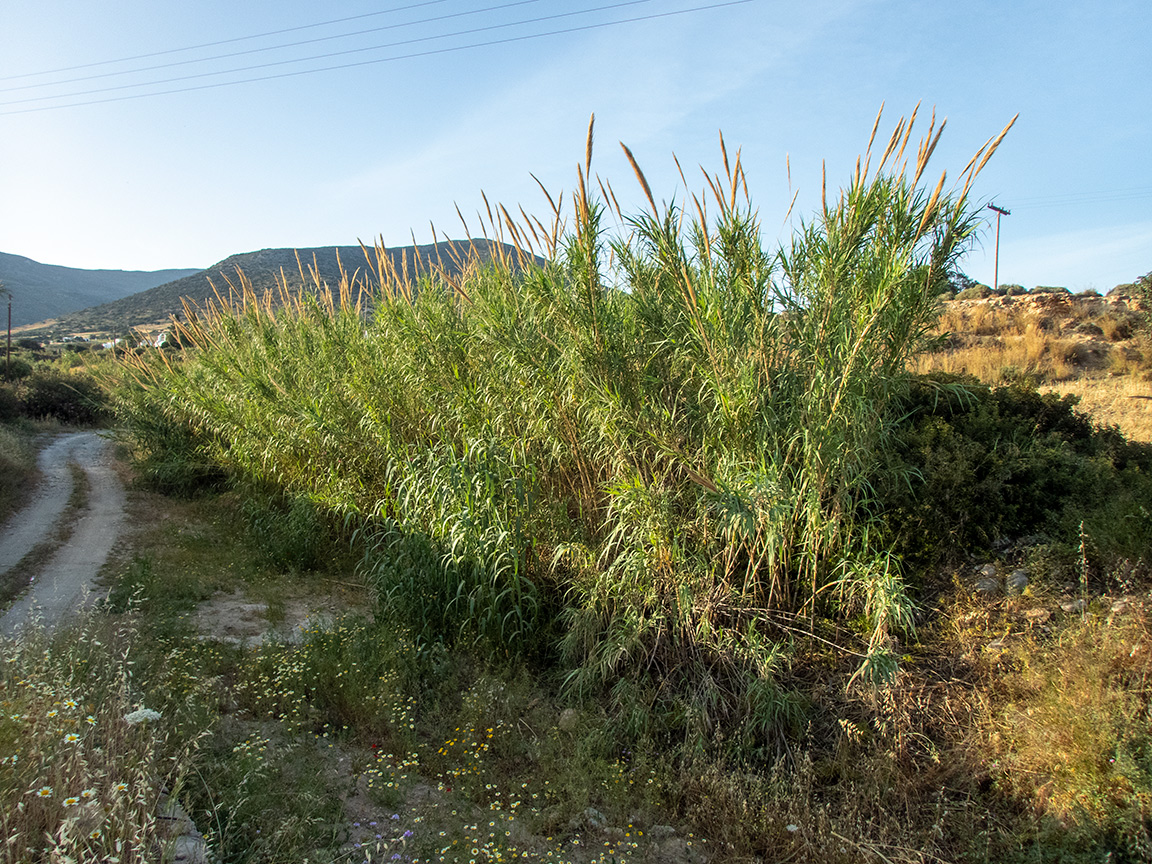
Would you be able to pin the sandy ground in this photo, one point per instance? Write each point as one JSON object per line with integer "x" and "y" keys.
{"x": 67, "y": 579}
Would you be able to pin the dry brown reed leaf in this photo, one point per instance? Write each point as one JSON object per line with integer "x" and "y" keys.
{"x": 893, "y": 142}
{"x": 480, "y": 222}
{"x": 467, "y": 230}
{"x": 457, "y": 260}
{"x": 615, "y": 203}
{"x": 724, "y": 153}
{"x": 581, "y": 201}
{"x": 714, "y": 185}
{"x": 734, "y": 183}
{"x": 791, "y": 204}
{"x": 588, "y": 147}
{"x": 972, "y": 170}
{"x": 611, "y": 196}
{"x": 907, "y": 134}
{"x": 872, "y": 137}
{"x": 604, "y": 194}
{"x": 643, "y": 180}
{"x": 824, "y": 187}
{"x": 703, "y": 223}
{"x": 528, "y": 224}
{"x": 996, "y": 144}
{"x": 552, "y": 239}
{"x": 487, "y": 206}
{"x": 930, "y": 210}
{"x": 520, "y": 240}
{"x": 419, "y": 264}
{"x": 551, "y": 203}
{"x": 556, "y": 231}
{"x": 928, "y": 146}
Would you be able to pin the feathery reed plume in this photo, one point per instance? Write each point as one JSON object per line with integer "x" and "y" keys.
{"x": 588, "y": 148}
{"x": 643, "y": 180}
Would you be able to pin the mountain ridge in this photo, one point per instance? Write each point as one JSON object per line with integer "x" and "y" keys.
{"x": 265, "y": 270}
{"x": 42, "y": 291}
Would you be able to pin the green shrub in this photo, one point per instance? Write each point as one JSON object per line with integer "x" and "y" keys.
{"x": 975, "y": 292}
{"x": 17, "y": 368}
{"x": 1004, "y": 462}
{"x": 75, "y": 398}
{"x": 10, "y": 407}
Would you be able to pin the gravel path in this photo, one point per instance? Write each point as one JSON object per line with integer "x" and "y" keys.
{"x": 68, "y": 577}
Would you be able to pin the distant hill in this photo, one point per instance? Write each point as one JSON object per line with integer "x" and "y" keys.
{"x": 42, "y": 291}
{"x": 263, "y": 269}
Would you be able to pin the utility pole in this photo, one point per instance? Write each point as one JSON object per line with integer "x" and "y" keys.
{"x": 996, "y": 267}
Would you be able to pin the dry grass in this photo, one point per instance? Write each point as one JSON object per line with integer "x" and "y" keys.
{"x": 1033, "y": 354}
{"x": 1067, "y": 345}
{"x": 1070, "y": 729}
{"x": 1124, "y": 401}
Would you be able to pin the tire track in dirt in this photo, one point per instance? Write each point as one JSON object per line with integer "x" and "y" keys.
{"x": 67, "y": 578}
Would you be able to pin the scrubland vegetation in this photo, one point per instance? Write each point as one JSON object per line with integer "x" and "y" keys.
{"x": 37, "y": 394}
{"x": 675, "y": 548}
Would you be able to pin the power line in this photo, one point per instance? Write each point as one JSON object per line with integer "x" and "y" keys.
{"x": 224, "y": 41}
{"x": 296, "y": 44}
{"x": 1074, "y": 198}
{"x": 398, "y": 44}
{"x": 409, "y": 56}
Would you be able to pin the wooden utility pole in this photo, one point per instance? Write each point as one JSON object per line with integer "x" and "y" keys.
{"x": 996, "y": 267}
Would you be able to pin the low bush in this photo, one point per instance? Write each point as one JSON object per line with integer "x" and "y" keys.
{"x": 17, "y": 368}
{"x": 69, "y": 398}
{"x": 994, "y": 463}
{"x": 10, "y": 407}
{"x": 975, "y": 292}
{"x": 17, "y": 464}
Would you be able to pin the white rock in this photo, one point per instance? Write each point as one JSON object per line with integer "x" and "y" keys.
{"x": 1017, "y": 581}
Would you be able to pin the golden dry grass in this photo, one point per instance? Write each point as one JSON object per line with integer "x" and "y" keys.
{"x": 1124, "y": 401}
{"x": 1053, "y": 345}
{"x": 1031, "y": 353}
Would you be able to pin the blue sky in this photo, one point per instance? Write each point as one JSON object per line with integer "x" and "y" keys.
{"x": 388, "y": 148}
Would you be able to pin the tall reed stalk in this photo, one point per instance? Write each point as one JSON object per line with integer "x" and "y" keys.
{"x": 651, "y": 450}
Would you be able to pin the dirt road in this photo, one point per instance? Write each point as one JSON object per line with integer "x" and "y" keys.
{"x": 67, "y": 578}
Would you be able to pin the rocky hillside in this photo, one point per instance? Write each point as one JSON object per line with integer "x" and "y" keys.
{"x": 264, "y": 270}
{"x": 1092, "y": 347}
{"x": 44, "y": 291}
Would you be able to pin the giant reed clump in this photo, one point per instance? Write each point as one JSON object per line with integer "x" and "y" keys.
{"x": 648, "y": 451}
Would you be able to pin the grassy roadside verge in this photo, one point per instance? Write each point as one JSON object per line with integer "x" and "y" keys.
{"x": 1016, "y": 730}
{"x": 17, "y": 466}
